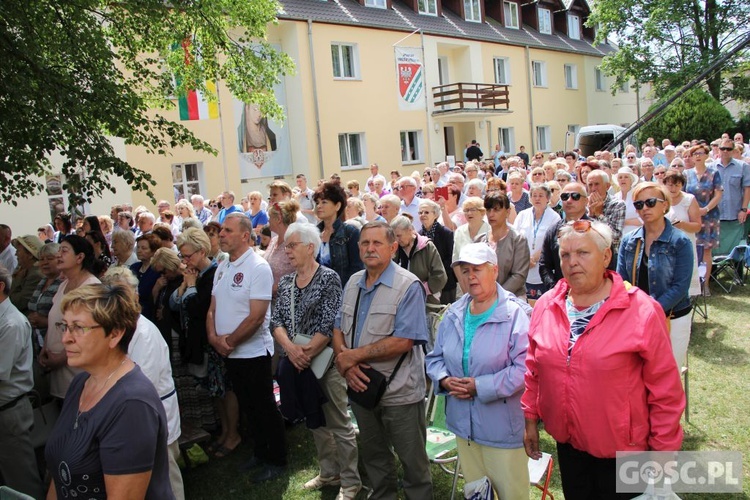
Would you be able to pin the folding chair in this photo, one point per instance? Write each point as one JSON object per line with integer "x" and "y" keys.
{"x": 699, "y": 303}
{"x": 541, "y": 469}
{"x": 440, "y": 441}
{"x": 727, "y": 264}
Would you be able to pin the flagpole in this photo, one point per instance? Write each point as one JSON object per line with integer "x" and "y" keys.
{"x": 221, "y": 133}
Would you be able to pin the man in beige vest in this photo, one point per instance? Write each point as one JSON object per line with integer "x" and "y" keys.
{"x": 382, "y": 318}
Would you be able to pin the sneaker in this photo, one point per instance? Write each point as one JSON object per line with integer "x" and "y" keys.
{"x": 267, "y": 473}
{"x": 706, "y": 291}
{"x": 349, "y": 493}
{"x": 319, "y": 482}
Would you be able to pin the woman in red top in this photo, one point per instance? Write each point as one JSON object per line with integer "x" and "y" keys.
{"x": 599, "y": 368}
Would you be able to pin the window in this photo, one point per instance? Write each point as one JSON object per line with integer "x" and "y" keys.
{"x": 539, "y": 73}
{"x": 186, "y": 180}
{"x": 505, "y": 137}
{"x": 428, "y": 7}
{"x": 573, "y": 129}
{"x": 545, "y": 21}
{"x": 376, "y": 3}
{"x": 350, "y": 150}
{"x": 411, "y": 146}
{"x": 472, "y": 11}
{"x": 599, "y": 79}
{"x": 344, "y": 59}
{"x": 543, "y": 138}
{"x": 502, "y": 70}
{"x": 510, "y": 10}
{"x": 571, "y": 76}
{"x": 574, "y": 27}
{"x": 624, "y": 88}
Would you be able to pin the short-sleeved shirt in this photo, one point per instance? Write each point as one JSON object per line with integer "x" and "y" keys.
{"x": 315, "y": 306}
{"x": 235, "y": 285}
{"x": 41, "y": 300}
{"x": 124, "y": 433}
{"x": 411, "y": 306}
{"x": 15, "y": 353}
{"x": 735, "y": 177}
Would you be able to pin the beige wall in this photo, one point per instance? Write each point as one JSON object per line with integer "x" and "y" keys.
{"x": 33, "y": 211}
{"x": 369, "y": 105}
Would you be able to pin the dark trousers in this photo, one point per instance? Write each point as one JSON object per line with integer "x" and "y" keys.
{"x": 585, "y": 476}
{"x": 252, "y": 382}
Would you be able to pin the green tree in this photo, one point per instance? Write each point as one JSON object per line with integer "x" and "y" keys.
{"x": 667, "y": 42}
{"x": 74, "y": 73}
{"x": 697, "y": 115}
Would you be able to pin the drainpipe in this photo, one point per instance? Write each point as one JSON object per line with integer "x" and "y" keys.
{"x": 315, "y": 98}
{"x": 428, "y": 153}
{"x": 531, "y": 102}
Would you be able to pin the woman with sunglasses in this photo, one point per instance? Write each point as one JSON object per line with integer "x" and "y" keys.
{"x": 658, "y": 259}
{"x": 110, "y": 440}
{"x": 596, "y": 343}
{"x": 704, "y": 183}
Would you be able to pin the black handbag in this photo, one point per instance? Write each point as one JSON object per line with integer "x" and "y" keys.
{"x": 370, "y": 397}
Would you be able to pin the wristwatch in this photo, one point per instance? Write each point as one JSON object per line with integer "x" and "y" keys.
{"x": 743, "y": 210}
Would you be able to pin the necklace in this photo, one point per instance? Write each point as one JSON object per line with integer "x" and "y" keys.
{"x": 80, "y": 402}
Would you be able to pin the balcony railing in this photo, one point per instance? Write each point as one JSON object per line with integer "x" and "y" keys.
{"x": 471, "y": 96}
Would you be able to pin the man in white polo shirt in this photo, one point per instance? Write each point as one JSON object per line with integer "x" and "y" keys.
{"x": 237, "y": 327}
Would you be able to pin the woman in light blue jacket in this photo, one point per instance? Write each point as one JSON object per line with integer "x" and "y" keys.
{"x": 478, "y": 363}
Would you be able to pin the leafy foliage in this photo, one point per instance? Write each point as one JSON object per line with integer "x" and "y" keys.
{"x": 667, "y": 42}
{"x": 75, "y": 72}
{"x": 697, "y": 115}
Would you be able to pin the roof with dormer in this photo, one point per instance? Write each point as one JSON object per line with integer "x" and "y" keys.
{"x": 401, "y": 17}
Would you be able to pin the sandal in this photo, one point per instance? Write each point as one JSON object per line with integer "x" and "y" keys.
{"x": 223, "y": 451}
{"x": 213, "y": 446}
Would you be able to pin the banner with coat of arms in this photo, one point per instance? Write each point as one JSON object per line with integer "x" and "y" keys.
{"x": 410, "y": 74}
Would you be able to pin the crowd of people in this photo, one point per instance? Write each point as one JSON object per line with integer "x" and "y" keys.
{"x": 563, "y": 278}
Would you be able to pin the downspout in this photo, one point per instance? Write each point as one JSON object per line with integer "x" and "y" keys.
{"x": 315, "y": 98}
{"x": 428, "y": 156}
{"x": 532, "y": 149}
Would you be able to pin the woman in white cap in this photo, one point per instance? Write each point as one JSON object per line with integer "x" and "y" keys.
{"x": 626, "y": 179}
{"x": 478, "y": 364}
{"x": 27, "y": 274}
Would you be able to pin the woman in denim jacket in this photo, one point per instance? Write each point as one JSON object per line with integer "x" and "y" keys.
{"x": 658, "y": 258}
{"x": 340, "y": 242}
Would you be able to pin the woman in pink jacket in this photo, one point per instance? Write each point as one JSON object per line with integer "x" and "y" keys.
{"x": 599, "y": 369}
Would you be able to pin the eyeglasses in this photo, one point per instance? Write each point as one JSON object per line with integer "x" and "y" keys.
{"x": 699, "y": 153}
{"x": 726, "y": 149}
{"x": 631, "y": 157}
{"x": 424, "y": 212}
{"x": 554, "y": 190}
{"x": 213, "y": 205}
{"x": 537, "y": 173}
{"x": 660, "y": 173}
{"x": 185, "y": 256}
{"x": 566, "y": 196}
{"x": 75, "y": 329}
{"x": 650, "y": 203}
{"x": 291, "y": 246}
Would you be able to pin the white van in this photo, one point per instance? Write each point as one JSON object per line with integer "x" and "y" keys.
{"x": 596, "y": 138}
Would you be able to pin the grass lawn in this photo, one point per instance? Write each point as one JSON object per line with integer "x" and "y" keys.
{"x": 719, "y": 358}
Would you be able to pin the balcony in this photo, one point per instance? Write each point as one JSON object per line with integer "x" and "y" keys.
{"x": 471, "y": 98}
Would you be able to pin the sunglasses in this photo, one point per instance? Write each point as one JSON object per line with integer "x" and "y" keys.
{"x": 566, "y": 196}
{"x": 581, "y": 226}
{"x": 650, "y": 203}
{"x": 726, "y": 149}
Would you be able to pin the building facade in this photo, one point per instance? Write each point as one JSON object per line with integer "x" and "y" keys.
{"x": 401, "y": 83}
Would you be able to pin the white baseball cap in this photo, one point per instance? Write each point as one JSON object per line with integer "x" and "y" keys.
{"x": 476, "y": 254}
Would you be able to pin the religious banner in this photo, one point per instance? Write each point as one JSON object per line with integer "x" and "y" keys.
{"x": 264, "y": 145}
{"x": 410, "y": 74}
